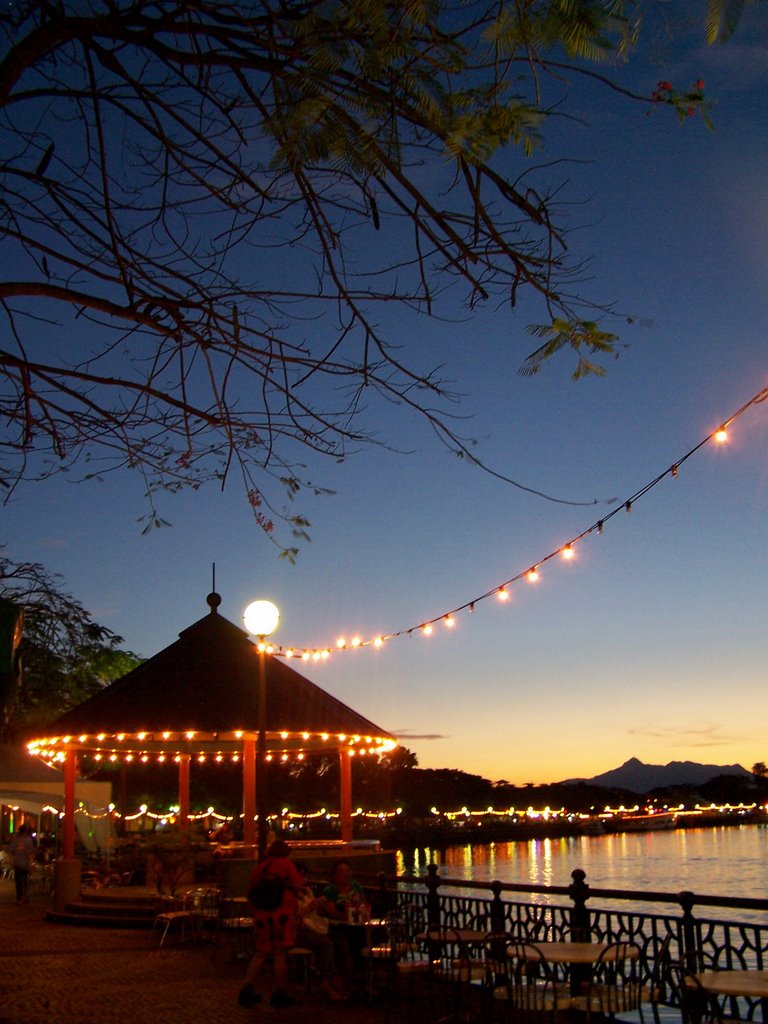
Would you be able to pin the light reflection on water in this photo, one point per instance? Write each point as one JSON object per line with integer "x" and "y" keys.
{"x": 713, "y": 861}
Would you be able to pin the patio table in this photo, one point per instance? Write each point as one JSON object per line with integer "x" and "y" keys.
{"x": 576, "y": 953}
{"x": 738, "y": 983}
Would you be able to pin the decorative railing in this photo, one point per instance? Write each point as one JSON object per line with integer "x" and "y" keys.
{"x": 696, "y": 941}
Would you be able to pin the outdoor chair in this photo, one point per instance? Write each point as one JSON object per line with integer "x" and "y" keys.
{"x": 234, "y": 924}
{"x": 300, "y": 965}
{"x": 204, "y": 904}
{"x": 614, "y": 986}
{"x": 660, "y": 984}
{"x": 381, "y": 956}
{"x": 450, "y": 976}
{"x": 412, "y": 967}
{"x": 496, "y": 978}
{"x": 533, "y": 994}
{"x": 175, "y": 913}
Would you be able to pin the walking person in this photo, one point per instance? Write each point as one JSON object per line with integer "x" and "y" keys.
{"x": 274, "y": 926}
{"x": 23, "y": 853}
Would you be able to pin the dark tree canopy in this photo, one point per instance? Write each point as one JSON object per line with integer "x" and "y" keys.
{"x": 208, "y": 208}
{"x": 66, "y": 657}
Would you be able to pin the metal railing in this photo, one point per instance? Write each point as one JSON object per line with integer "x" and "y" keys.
{"x": 697, "y": 942}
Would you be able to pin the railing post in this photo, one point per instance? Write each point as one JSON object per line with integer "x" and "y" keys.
{"x": 382, "y": 903}
{"x": 433, "y": 897}
{"x": 498, "y": 924}
{"x": 689, "y": 954}
{"x": 578, "y": 890}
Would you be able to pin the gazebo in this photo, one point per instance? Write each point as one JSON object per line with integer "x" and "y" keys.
{"x": 197, "y": 699}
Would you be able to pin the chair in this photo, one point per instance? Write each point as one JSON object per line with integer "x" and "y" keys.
{"x": 204, "y": 903}
{"x": 533, "y": 995}
{"x": 660, "y": 984}
{"x": 381, "y": 956}
{"x": 300, "y": 965}
{"x": 235, "y": 924}
{"x": 175, "y": 913}
{"x": 496, "y": 977}
{"x": 412, "y": 967}
{"x": 614, "y": 986}
{"x": 450, "y": 976}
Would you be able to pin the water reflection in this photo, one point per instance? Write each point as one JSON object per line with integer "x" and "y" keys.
{"x": 713, "y": 861}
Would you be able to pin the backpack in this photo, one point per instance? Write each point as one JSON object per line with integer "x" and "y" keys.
{"x": 267, "y": 892}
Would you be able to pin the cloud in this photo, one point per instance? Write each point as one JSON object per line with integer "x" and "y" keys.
{"x": 404, "y": 734}
{"x": 708, "y": 735}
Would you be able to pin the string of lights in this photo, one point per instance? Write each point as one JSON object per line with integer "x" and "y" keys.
{"x": 500, "y": 591}
{"x": 212, "y": 817}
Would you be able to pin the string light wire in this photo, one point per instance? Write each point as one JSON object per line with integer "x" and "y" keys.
{"x": 501, "y": 590}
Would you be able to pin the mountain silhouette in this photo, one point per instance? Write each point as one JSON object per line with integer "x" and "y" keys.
{"x": 637, "y": 777}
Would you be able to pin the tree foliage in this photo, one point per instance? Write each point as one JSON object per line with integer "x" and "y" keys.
{"x": 209, "y": 208}
{"x": 66, "y": 657}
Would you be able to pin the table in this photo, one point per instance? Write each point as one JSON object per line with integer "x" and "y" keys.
{"x": 350, "y": 939}
{"x": 467, "y": 936}
{"x": 569, "y": 952}
{"x": 576, "y": 953}
{"x": 739, "y": 983}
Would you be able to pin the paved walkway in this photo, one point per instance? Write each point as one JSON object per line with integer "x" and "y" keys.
{"x": 64, "y": 974}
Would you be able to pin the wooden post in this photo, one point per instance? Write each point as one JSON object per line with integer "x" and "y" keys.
{"x": 249, "y": 790}
{"x": 345, "y": 786}
{"x": 184, "y": 760}
{"x": 66, "y": 870}
{"x": 70, "y": 775}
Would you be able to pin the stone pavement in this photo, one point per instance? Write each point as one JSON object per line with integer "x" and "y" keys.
{"x": 63, "y": 974}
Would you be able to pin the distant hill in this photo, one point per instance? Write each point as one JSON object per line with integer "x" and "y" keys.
{"x": 637, "y": 777}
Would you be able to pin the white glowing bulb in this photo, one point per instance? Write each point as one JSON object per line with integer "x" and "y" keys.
{"x": 261, "y": 618}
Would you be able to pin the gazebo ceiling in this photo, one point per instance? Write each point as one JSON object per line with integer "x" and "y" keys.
{"x": 200, "y": 696}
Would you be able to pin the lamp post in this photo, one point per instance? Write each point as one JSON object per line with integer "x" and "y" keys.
{"x": 261, "y": 619}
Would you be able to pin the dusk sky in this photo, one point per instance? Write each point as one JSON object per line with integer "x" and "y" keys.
{"x": 652, "y": 641}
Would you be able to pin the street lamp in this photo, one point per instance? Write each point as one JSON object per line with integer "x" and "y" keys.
{"x": 261, "y": 619}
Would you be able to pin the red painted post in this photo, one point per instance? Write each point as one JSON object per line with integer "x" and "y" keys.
{"x": 70, "y": 775}
{"x": 184, "y": 760}
{"x": 345, "y": 771}
{"x": 249, "y": 790}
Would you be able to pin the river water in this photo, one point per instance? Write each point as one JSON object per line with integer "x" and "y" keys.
{"x": 730, "y": 861}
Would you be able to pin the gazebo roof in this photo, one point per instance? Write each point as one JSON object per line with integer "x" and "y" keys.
{"x": 200, "y": 695}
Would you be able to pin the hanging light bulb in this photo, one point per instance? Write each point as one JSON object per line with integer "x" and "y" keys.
{"x": 567, "y": 552}
{"x": 721, "y": 435}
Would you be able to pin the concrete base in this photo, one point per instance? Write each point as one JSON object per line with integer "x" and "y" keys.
{"x": 232, "y": 873}
{"x": 66, "y": 883}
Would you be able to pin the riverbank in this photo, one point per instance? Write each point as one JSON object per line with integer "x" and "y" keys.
{"x": 476, "y": 830}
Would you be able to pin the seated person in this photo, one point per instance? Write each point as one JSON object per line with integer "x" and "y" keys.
{"x": 341, "y": 902}
{"x": 342, "y": 894}
{"x": 312, "y": 933}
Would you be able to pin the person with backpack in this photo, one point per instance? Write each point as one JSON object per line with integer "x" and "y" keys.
{"x": 272, "y": 890}
{"x": 23, "y": 853}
